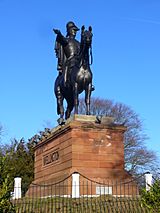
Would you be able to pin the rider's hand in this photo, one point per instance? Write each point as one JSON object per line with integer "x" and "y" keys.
{"x": 56, "y": 31}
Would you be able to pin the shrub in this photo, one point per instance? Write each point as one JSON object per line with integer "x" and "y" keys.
{"x": 6, "y": 205}
{"x": 151, "y": 198}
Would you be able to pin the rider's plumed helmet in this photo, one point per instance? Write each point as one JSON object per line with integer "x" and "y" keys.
{"x": 71, "y": 25}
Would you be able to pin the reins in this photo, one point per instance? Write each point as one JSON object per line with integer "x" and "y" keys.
{"x": 91, "y": 56}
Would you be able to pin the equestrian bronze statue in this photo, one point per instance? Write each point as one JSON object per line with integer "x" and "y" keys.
{"x": 75, "y": 76}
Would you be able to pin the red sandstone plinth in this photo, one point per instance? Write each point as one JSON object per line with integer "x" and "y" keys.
{"x": 93, "y": 149}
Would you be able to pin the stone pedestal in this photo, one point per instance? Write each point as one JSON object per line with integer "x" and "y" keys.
{"x": 85, "y": 145}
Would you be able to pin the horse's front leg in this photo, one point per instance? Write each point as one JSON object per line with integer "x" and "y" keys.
{"x": 76, "y": 101}
{"x": 87, "y": 98}
{"x": 70, "y": 105}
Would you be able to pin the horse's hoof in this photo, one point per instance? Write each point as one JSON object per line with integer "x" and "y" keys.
{"x": 61, "y": 121}
{"x": 98, "y": 119}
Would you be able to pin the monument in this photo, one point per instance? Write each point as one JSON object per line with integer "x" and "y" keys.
{"x": 89, "y": 145}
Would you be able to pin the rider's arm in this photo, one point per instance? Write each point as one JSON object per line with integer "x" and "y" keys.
{"x": 60, "y": 38}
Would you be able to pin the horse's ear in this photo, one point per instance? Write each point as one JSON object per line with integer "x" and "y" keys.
{"x": 90, "y": 28}
{"x": 83, "y": 28}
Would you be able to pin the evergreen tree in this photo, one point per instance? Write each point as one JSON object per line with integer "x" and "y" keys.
{"x": 6, "y": 186}
{"x": 151, "y": 198}
{"x": 20, "y": 162}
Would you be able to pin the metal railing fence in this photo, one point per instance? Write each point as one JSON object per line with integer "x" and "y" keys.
{"x": 78, "y": 193}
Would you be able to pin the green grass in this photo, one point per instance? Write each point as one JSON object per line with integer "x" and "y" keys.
{"x": 102, "y": 204}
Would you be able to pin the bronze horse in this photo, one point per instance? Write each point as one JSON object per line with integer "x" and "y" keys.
{"x": 80, "y": 80}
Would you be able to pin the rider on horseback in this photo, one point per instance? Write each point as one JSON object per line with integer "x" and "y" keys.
{"x": 67, "y": 50}
{"x": 75, "y": 75}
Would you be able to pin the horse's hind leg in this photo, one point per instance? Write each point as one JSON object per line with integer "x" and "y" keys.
{"x": 87, "y": 98}
{"x": 60, "y": 108}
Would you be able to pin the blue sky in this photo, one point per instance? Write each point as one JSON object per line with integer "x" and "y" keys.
{"x": 126, "y": 50}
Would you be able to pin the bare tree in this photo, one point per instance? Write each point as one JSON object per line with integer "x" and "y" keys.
{"x": 1, "y": 131}
{"x": 138, "y": 158}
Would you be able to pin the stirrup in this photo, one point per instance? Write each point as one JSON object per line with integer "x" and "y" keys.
{"x": 92, "y": 88}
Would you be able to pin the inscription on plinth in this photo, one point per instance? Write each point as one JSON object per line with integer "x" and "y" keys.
{"x": 50, "y": 158}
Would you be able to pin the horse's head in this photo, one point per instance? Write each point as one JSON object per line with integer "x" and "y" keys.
{"x": 86, "y": 36}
